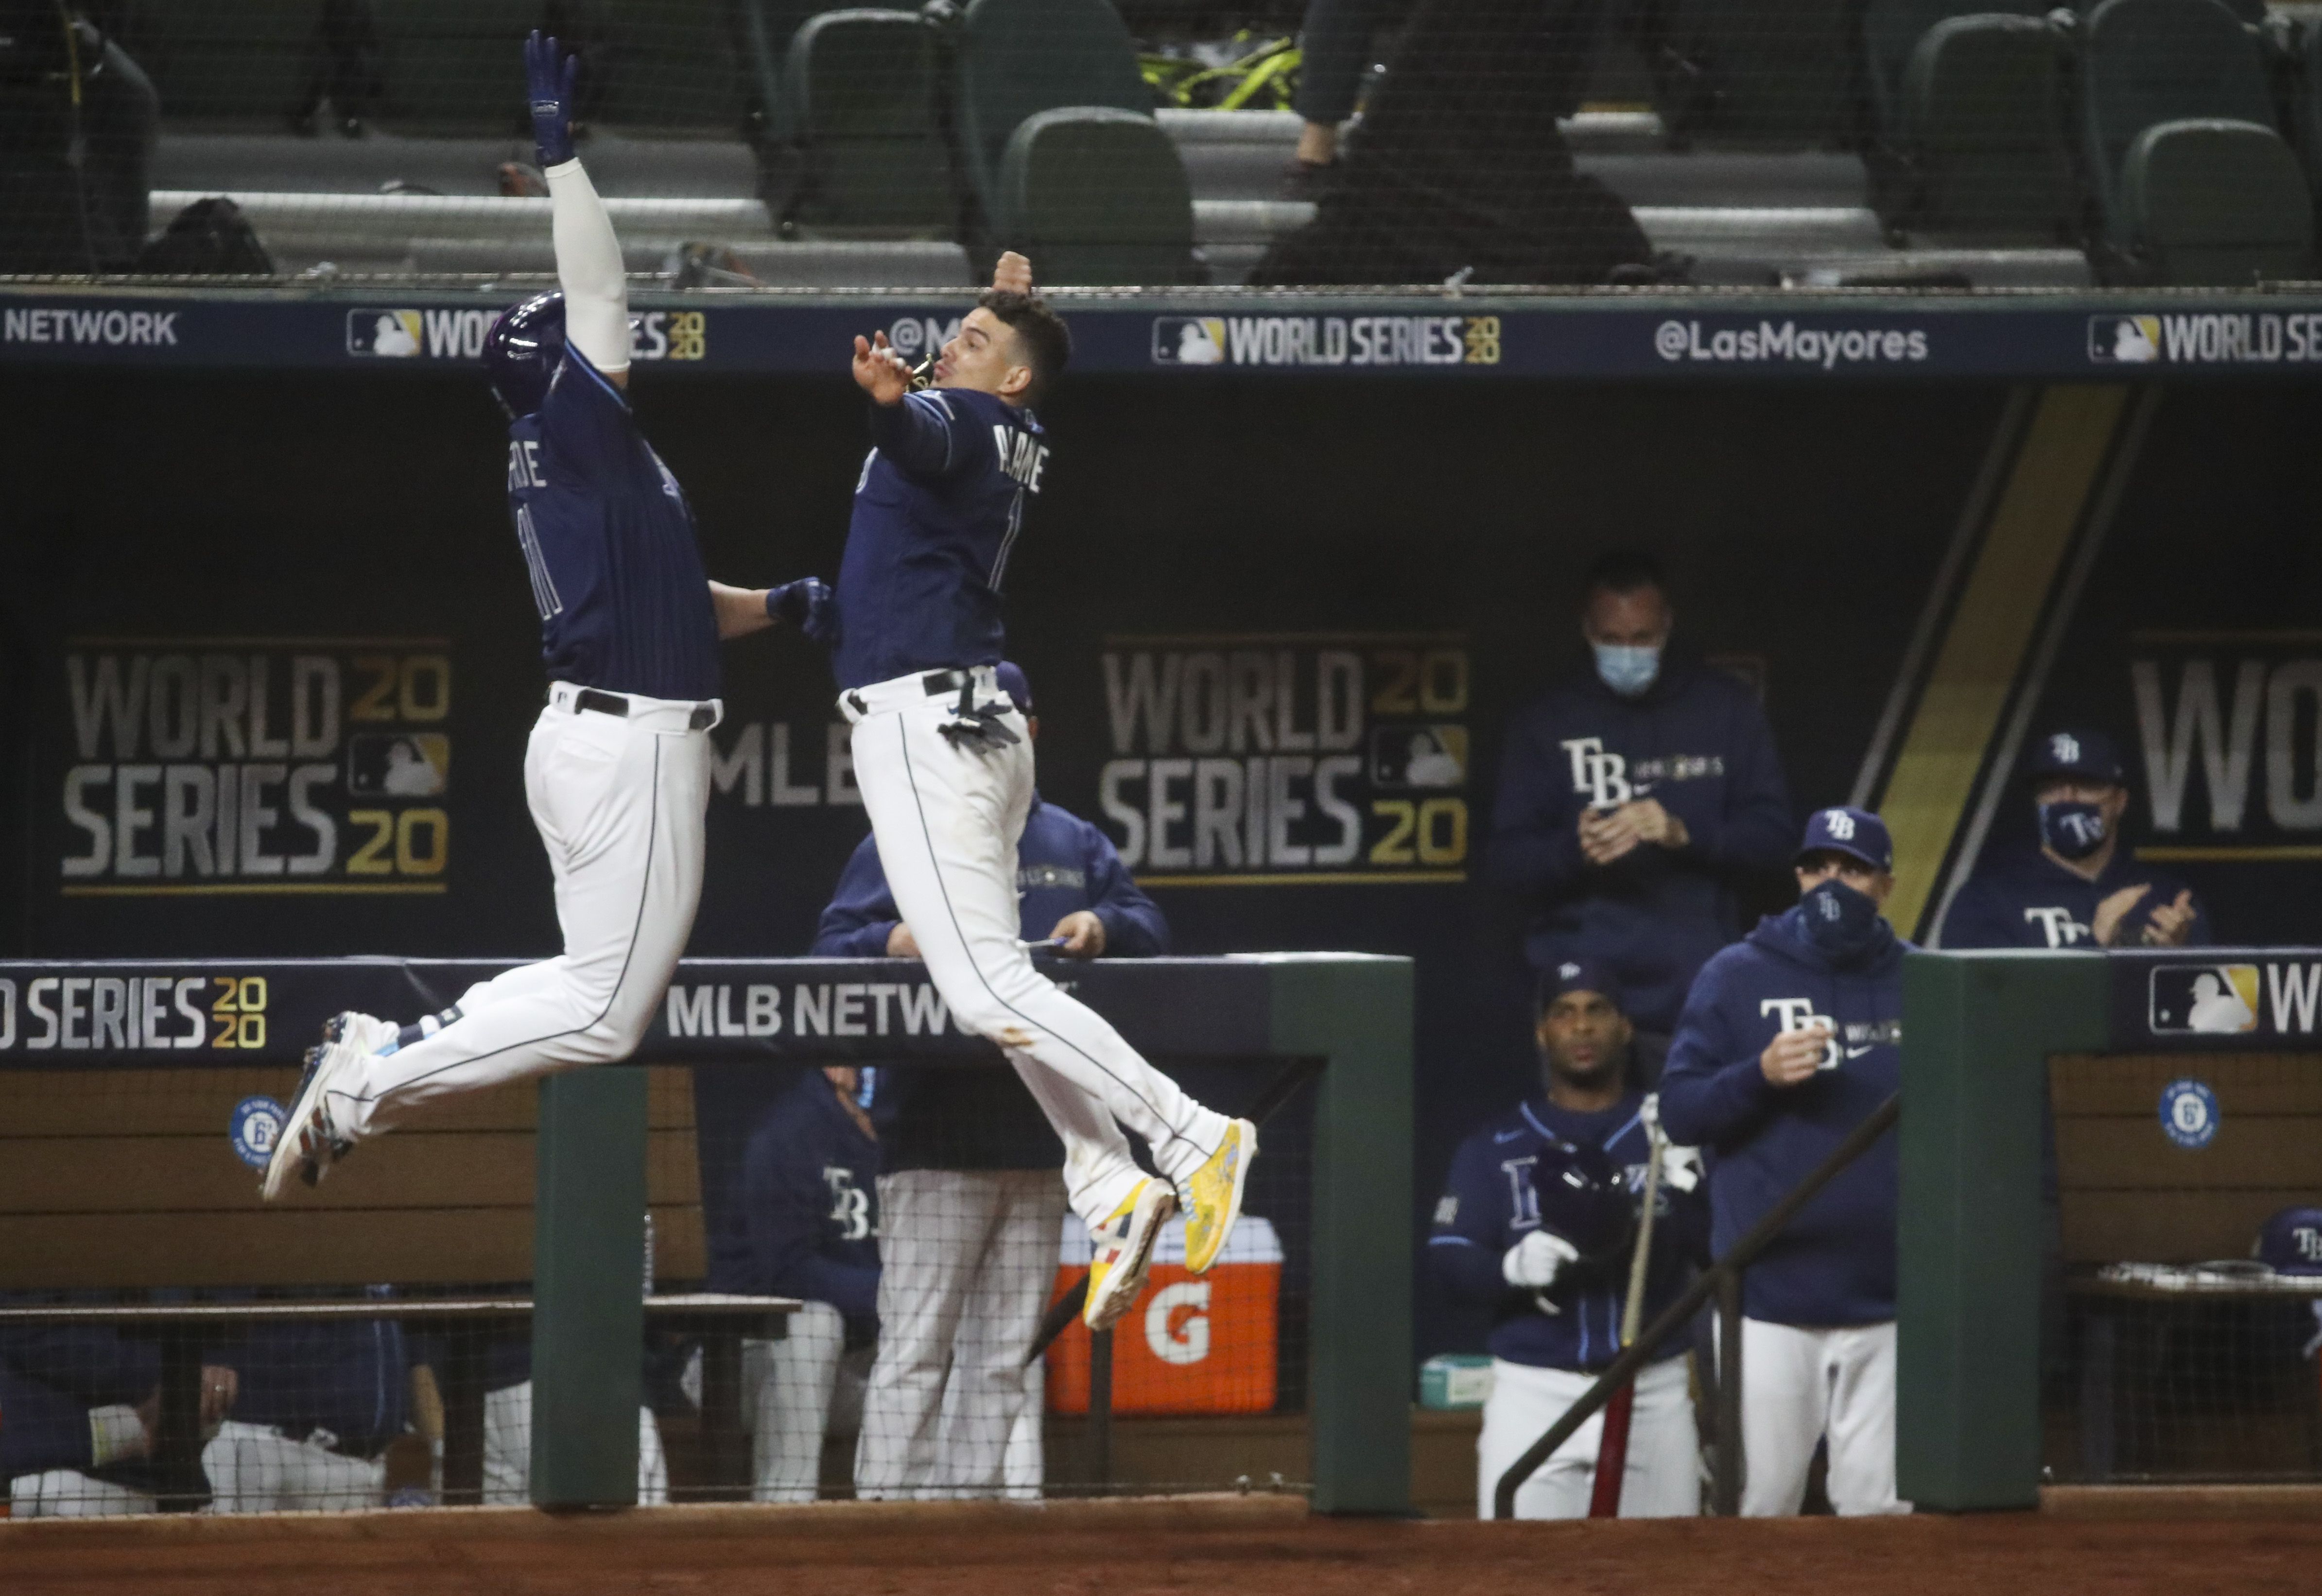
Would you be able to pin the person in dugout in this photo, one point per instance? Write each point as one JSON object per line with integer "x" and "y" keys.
{"x": 1634, "y": 797}
{"x": 970, "y": 1195}
{"x": 80, "y": 1407}
{"x": 1537, "y": 1223}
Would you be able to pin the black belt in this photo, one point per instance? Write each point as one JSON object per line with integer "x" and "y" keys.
{"x": 939, "y": 682}
{"x": 616, "y": 706}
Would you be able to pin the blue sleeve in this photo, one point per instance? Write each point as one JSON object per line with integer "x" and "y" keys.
{"x": 1134, "y": 927}
{"x": 2201, "y": 934}
{"x": 1707, "y": 1093}
{"x": 586, "y": 429}
{"x": 95, "y": 1364}
{"x": 929, "y": 434}
{"x": 1976, "y": 919}
{"x": 40, "y": 1428}
{"x": 1469, "y": 1237}
{"x": 784, "y": 1214}
{"x": 1756, "y": 831}
{"x": 1535, "y": 847}
{"x": 861, "y": 914}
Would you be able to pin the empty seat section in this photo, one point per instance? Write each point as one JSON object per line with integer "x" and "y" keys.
{"x": 1758, "y": 71}
{"x": 674, "y": 64}
{"x": 859, "y": 92}
{"x": 1891, "y": 30}
{"x": 768, "y": 26}
{"x": 456, "y": 67}
{"x": 1984, "y": 135}
{"x": 235, "y": 64}
{"x": 1098, "y": 196}
{"x": 2213, "y": 203}
{"x": 1018, "y": 57}
{"x": 2144, "y": 62}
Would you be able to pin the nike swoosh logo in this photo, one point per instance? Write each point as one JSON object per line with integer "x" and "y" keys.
{"x": 1856, "y": 1052}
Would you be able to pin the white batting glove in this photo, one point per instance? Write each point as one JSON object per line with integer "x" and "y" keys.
{"x": 1534, "y": 1262}
{"x": 1681, "y": 1167}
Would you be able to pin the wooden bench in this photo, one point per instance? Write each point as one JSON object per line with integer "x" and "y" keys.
{"x": 126, "y": 1181}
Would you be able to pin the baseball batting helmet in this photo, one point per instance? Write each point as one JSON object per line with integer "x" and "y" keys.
{"x": 522, "y": 350}
{"x": 1583, "y": 1198}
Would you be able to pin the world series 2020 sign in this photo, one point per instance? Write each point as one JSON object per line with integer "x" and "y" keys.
{"x": 255, "y": 765}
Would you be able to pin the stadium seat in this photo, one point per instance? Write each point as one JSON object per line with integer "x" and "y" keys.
{"x": 2306, "y": 105}
{"x": 233, "y": 62}
{"x": 2149, "y": 61}
{"x": 2213, "y": 203}
{"x": 1983, "y": 139}
{"x": 1891, "y": 30}
{"x": 1096, "y": 196}
{"x": 768, "y": 26}
{"x": 674, "y": 64}
{"x": 858, "y": 146}
{"x": 1757, "y": 72}
{"x": 1018, "y": 57}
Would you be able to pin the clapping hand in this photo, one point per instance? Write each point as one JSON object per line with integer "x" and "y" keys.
{"x": 880, "y": 371}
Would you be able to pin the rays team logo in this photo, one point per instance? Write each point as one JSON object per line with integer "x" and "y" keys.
{"x": 1189, "y": 340}
{"x": 2203, "y": 999}
{"x": 2124, "y": 341}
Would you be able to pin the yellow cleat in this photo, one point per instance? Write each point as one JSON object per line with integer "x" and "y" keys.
{"x": 1215, "y": 1193}
{"x": 1117, "y": 1273}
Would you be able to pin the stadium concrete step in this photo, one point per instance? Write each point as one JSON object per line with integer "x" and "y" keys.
{"x": 220, "y": 163}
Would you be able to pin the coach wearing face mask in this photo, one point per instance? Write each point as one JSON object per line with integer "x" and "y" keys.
{"x": 1789, "y": 1040}
{"x": 1633, "y": 796}
{"x": 2080, "y": 885}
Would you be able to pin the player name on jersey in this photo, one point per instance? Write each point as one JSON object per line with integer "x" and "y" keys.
{"x": 1267, "y": 759}
{"x": 255, "y": 765}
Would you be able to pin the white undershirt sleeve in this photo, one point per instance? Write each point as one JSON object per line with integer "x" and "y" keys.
{"x": 589, "y": 268}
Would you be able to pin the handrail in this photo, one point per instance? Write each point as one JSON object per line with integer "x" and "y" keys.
{"x": 1738, "y": 1257}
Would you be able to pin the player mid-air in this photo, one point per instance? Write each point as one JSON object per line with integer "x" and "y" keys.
{"x": 616, "y": 772}
{"x": 946, "y": 771}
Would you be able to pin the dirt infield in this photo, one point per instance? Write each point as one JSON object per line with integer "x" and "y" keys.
{"x": 1207, "y": 1546}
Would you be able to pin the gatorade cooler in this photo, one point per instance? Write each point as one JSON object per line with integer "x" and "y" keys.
{"x": 1189, "y": 1344}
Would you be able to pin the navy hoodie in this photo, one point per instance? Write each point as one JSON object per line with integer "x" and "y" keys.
{"x": 1488, "y": 1206}
{"x": 1696, "y": 741}
{"x": 1834, "y": 1263}
{"x": 948, "y": 1118}
{"x": 810, "y": 1205}
{"x": 41, "y": 1428}
{"x": 2021, "y": 898}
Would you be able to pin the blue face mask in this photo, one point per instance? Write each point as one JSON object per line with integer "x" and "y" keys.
{"x": 1839, "y": 920}
{"x": 1628, "y": 669}
{"x": 2072, "y": 829}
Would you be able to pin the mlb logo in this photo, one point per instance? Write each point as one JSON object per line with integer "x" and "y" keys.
{"x": 1419, "y": 756}
{"x": 388, "y": 335}
{"x": 398, "y": 764}
{"x": 2203, "y": 999}
{"x": 1189, "y": 340}
{"x": 2124, "y": 341}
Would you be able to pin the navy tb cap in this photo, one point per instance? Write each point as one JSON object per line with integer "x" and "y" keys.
{"x": 2291, "y": 1242}
{"x": 1582, "y": 974}
{"x": 1856, "y": 833}
{"x": 1011, "y": 678}
{"x": 2076, "y": 751}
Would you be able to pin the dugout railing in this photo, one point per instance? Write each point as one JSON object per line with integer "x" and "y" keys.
{"x": 1343, "y": 1020}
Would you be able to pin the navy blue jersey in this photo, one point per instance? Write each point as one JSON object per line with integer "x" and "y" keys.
{"x": 1489, "y": 1204}
{"x": 352, "y": 1378}
{"x": 40, "y": 1428}
{"x": 936, "y": 514}
{"x": 1834, "y": 1263}
{"x": 1696, "y": 741}
{"x": 2021, "y": 898}
{"x": 938, "y": 1118}
{"x": 609, "y": 541}
{"x": 810, "y": 1205}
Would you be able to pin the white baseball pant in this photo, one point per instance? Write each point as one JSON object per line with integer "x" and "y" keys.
{"x": 68, "y": 1494}
{"x": 255, "y": 1469}
{"x": 1663, "y": 1476}
{"x": 618, "y": 803}
{"x": 948, "y": 818}
{"x": 507, "y": 1451}
{"x": 1801, "y": 1385}
{"x": 966, "y": 1261}
{"x": 795, "y": 1392}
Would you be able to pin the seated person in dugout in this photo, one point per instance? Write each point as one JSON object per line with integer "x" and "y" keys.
{"x": 1791, "y": 1038}
{"x": 80, "y": 1407}
{"x": 1537, "y": 1221}
{"x": 2076, "y": 885}
{"x": 970, "y": 1195}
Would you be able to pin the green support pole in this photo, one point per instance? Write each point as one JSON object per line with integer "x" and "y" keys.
{"x": 1356, "y": 1013}
{"x": 588, "y": 1261}
{"x": 1978, "y": 1030}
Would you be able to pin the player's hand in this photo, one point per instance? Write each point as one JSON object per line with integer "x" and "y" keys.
{"x": 1082, "y": 934}
{"x": 808, "y": 605}
{"x": 1013, "y": 274}
{"x": 2105, "y": 925}
{"x": 1681, "y": 1167}
{"x": 880, "y": 371}
{"x": 1794, "y": 1056}
{"x": 2171, "y": 923}
{"x": 1533, "y": 1263}
{"x": 220, "y": 1388}
{"x": 1652, "y": 823}
{"x": 1606, "y": 835}
{"x": 901, "y": 943}
{"x": 549, "y": 79}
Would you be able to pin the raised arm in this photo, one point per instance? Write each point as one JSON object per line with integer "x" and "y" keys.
{"x": 588, "y": 265}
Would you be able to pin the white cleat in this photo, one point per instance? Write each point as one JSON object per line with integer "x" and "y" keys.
{"x": 365, "y": 1033}
{"x": 309, "y": 1142}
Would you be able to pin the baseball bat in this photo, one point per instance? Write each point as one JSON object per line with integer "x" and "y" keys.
{"x": 1612, "y": 1443}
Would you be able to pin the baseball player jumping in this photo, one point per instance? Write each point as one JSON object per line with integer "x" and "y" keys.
{"x": 946, "y": 771}
{"x": 617, "y": 768}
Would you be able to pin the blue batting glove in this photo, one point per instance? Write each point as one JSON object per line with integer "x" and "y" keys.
{"x": 808, "y": 605}
{"x": 548, "y": 75}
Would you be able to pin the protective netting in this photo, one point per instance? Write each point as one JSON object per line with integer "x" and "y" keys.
{"x": 168, "y": 1343}
{"x": 1812, "y": 143}
{"x": 2179, "y": 1346}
